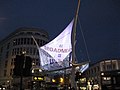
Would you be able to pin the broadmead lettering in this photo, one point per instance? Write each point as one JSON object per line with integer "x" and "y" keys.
{"x": 57, "y": 50}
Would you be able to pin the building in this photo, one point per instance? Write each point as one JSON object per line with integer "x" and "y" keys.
{"x": 19, "y": 41}
{"x": 103, "y": 73}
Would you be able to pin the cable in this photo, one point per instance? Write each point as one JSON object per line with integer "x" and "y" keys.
{"x": 84, "y": 39}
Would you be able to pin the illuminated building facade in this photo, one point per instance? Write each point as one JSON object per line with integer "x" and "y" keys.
{"x": 103, "y": 73}
{"x": 15, "y": 43}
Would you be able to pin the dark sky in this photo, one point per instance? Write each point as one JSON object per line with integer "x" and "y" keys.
{"x": 99, "y": 19}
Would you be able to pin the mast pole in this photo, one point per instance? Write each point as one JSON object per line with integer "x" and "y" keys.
{"x": 73, "y": 83}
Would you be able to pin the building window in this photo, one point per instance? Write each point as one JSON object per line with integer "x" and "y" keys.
{"x": 18, "y": 41}
{"x": 41, "y": 43}
{"x": 114, "y": 66}
{"x": 8, "y": 45}
{"x": 12, "y": 52}
{"x": 95, "y": 69}
{"x": 7, "y": 54}
{"x": 43, "y": 35}
{"x": 6, "y": 63}
{"x": 12, "y": 62}
{"x": 31, "y": 41}
{"x": 28, "y": 41}
{"x": 24, "y": 40}
{"x": 98, "y": 69}
{"x": 21, "y": 42}
{"x": 1, "y": 50}
{"x": 103, "y": 67}
{"x": 106, "y": 80}
{"x": 34, "y": 51}
{"x": 14, "y": 42}
{"x": 27, "y": 50}
{"x": 20, "y": 50}
{"x": 11, "y": 71}
{"x": 109, "y": 67}
{"x": 5, "y": 71}
{"x": 30, "y": 50}
{"x": 37, "y": 52}
{"x": 44, "y": 43}
{"x": 17, "y": 50}
{"x": 37, "y": 63}
{"x": 37, "y": 60}
{"x": 91, "y": 71}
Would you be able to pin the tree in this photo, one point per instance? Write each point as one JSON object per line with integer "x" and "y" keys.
{"x": 18, "y": 64}
{"x": 22, "y": 65}
{"x": 27, "y": 66}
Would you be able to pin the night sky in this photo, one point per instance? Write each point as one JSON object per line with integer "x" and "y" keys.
{"x": 99, "y": 21}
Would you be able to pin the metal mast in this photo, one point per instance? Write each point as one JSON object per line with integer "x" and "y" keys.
{"x": 73, "y": 83}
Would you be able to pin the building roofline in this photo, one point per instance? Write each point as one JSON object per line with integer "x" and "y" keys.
{"x": 24, "y": 29}
{"x": 104, "y": 60}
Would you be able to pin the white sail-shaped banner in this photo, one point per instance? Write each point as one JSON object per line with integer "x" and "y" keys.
{"x": 58, "y": 50}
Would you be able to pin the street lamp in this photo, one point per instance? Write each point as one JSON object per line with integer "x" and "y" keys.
{"x": 61, "y": 80}
{"x": 24, "y": 52}
{"x": 53, "y": 80}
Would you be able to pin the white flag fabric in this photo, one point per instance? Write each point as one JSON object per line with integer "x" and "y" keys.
{"x": 84, "y": 67}
{"x": 58, "y": 50}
